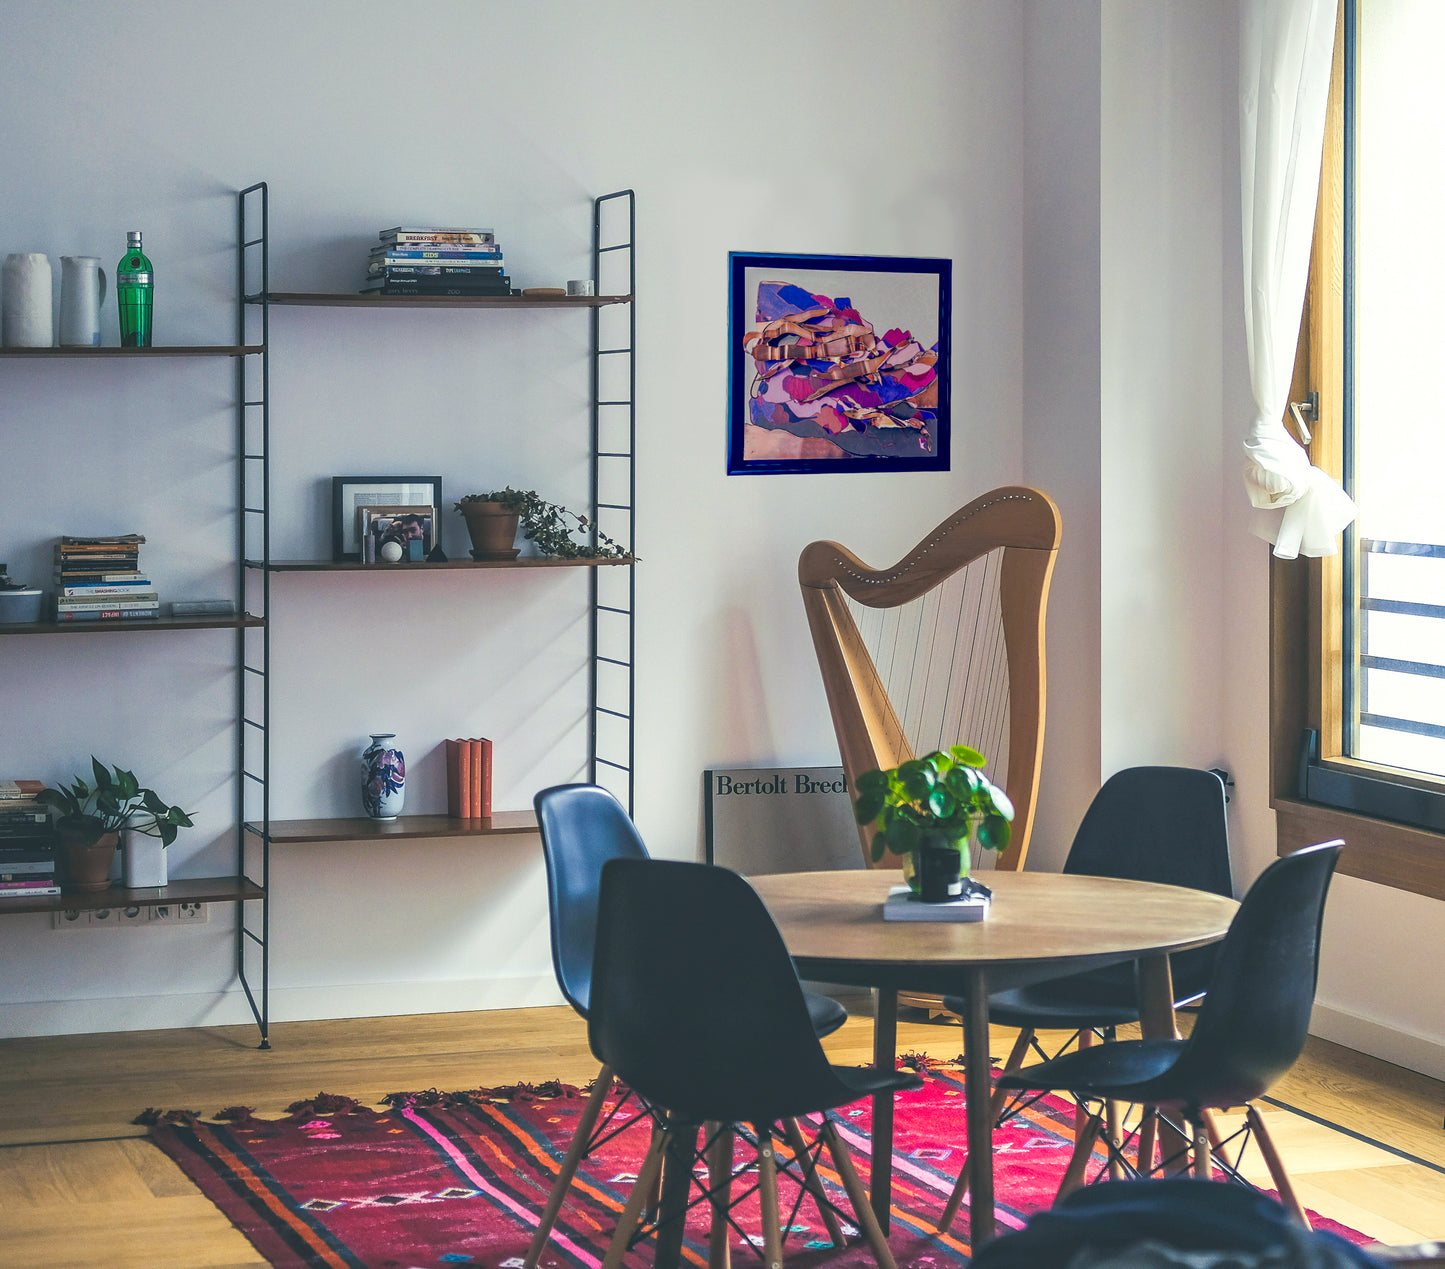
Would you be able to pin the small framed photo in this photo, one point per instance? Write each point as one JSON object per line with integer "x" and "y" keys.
{"x": 349, "y": 494}
{"x": 396, "y": 535}
{"x": 838, "y": 363}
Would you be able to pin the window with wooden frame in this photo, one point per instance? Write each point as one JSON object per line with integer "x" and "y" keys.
{"x": 1358, "y": 639}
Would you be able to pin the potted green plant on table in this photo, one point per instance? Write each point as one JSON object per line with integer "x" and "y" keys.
{"x": 927, "y": 809}
{"x": 494, "y": 519}
{"x": 91, "y": 817}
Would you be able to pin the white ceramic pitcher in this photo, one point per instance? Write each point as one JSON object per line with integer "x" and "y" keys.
{"x": 82, "y": 292}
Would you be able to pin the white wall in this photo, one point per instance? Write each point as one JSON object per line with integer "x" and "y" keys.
{"x": 1077, "y": 161}
{"x": 897, "y": 136}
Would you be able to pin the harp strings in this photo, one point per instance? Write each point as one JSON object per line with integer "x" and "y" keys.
{"x": 942, "y": 662}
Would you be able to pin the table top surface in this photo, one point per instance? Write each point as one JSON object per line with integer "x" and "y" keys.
{"x": 1038, "y": 925}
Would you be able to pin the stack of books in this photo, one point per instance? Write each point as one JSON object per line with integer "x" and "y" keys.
{"x": 99, "y": 579}
{"x": 469, "y": 779}
{"x": 27, "y": 842}
{"x": 436, "y": 261}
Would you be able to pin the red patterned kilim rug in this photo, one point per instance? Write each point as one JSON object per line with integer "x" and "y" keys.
{"x": 447, "y": 1179}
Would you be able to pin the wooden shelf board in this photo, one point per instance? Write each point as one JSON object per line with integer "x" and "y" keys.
{"x": 352, "y": 566}
{"x": 302, "y": 832}
{"x": 181, "y": 350}
{"x": 116, "y": 623}
{"x": 190, "y": 890}
{"x": 343, "y": 300}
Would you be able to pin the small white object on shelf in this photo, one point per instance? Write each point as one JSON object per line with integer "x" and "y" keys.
{"x": 900, "y": 905}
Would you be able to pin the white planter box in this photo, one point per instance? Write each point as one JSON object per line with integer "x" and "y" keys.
{"x": 143, "y": 859}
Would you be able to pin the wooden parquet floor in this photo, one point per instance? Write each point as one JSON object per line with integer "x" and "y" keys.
{"x": 80, "y": 1186}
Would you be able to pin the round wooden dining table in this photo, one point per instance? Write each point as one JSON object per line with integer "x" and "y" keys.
{"x": 1039, "y": 926}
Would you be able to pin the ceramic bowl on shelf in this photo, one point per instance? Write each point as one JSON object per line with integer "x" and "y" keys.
{"x": 20, "y": 607}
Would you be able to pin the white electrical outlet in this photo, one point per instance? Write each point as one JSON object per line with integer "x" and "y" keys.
{"x": 69, "y": 919}
{"x": 192, "y": 912}
{"x": 132, "y": 915}
{"x": 161, "y": 912}
{"x": 105, "y": 916}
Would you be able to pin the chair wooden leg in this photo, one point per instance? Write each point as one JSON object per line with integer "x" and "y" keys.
{"x": 1275, "y": 1164}
{"x": 719, "y": 1184}
{"x": 857, "y": 1196}
{"x": 1148, "y": 1130}
{"x": 1203, "y": 1152}
{"x": 679, "y": 1156}
{"x": 632, "y": 1212}
{"x": 1113, "y": 1122}
{"x": 1079, "y": 1160}
{"x": 654, "y": 1193}
{"x": 768, "y": 1197}
{"x": 1081, "y": 1116}
{"x": 799, "y": 1145}
{"x": 575, "y": 1153}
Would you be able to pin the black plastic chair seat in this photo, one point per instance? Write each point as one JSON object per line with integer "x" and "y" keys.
{"x": 1095, "y": 999}
{"x": 825, "y": 1013}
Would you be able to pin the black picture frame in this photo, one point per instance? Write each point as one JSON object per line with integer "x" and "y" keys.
{"x": 877, "y": 399}
{"x": 350, "y": 493}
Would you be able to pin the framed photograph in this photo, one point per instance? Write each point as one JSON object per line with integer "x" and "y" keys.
{"x": 412, "y": 530}
{"x": 349, "y": 494}
{"x": 838, "y": 363}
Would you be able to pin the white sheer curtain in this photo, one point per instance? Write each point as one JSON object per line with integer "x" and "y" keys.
{"x": 1284, "y": 79}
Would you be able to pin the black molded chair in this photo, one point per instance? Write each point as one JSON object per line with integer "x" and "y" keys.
{"x": 583, "y": 826}
{"x": 1164, "y": 824}
{"x": 1249, "y": 1031}
{"x": 697, "y": 1006}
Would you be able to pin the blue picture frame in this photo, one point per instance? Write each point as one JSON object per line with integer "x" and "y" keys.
{"x": 838, "y": 363}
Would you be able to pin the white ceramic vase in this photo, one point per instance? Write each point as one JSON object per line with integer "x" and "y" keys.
{"x": 143, "y": 861}
{"x": 26, "y": 301}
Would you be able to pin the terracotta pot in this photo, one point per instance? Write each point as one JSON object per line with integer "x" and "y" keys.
{"x": 87, "y": 859}
{"x": 493, "y": 530}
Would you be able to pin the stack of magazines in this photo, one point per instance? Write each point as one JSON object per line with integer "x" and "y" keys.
{"x": 27, "y": 842}
{"x": 420, "y": 260}
{"x": 99, "y": 579}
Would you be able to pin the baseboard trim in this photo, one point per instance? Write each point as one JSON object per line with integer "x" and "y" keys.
{"x": 287, "y": 1004}
{"x": 1365, "y": 1035}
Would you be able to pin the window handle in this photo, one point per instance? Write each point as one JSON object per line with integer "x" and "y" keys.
{"x": 1310, "y": 406}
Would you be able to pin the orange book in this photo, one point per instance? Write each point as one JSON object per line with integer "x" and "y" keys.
{"x": 474, "y": 804}
{"x": 459, "y": 779}
{"x": 486, "y": 782}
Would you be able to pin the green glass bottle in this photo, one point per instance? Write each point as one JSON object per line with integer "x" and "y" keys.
{"x": 134, "y": 286}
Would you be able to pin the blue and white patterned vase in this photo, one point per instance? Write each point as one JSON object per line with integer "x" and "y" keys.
{"x": 383, "y": 788}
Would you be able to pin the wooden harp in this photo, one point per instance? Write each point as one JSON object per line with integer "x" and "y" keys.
{"x": 946, "y": 647}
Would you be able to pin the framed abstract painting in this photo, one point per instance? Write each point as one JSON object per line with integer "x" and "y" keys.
{"x": 838, "y": 363}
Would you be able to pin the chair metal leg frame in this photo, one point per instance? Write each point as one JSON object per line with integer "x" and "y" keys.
{"x": 587, "y": 1137}
{"x": 674, "y": 1150}
{"x": 1207, "y": 1148}
{"x": 1003, "y": 1108}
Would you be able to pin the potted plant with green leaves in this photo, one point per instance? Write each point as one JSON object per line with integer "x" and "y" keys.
{"x": 91, "y": 817}
{"x": 494, "y": 519}
{"x": 927, "y": 809}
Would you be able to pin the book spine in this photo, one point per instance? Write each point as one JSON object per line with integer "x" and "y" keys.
{"x": 27, "y": 877}
{"x": 401, "y": 288}
{"x": 25, "y": 889}
{"x": 454, "y": 804}
{"x": 20, "y": 788}
{"x": 464, "y": 781}
{"x": 10, "y": 867}
{"x": 482, "y": 255}
{"x": 140, "y": 599}
{"x": 474, "y": 758}
{"x": 98, "y": 577}
{"x": 478, "y": 237}
{"x": 89, "y": 590}
{"x": 486, "y": 779}
{"x": 108, "y": 613}
{"x": 485, "y": 271}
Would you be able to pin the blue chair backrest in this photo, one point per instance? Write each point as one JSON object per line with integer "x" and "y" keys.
{"x": 583, "y": 826}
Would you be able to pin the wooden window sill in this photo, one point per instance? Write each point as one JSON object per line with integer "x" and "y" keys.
{"x": 1388, "y": 854}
